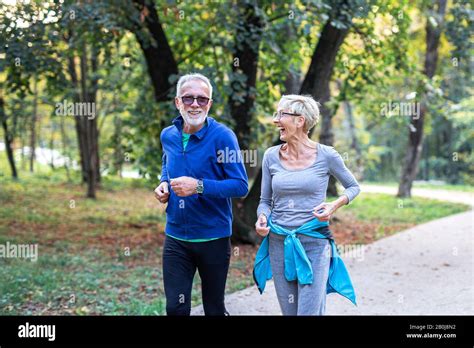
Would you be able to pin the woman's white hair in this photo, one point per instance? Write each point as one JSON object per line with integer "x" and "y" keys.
{"x": 194, "y": 76}
{"x": 303, "y": 105}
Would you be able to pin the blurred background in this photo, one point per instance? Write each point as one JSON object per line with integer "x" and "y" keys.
{"x": 87, "y": 87}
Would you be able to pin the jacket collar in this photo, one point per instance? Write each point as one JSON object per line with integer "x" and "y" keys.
{"x": 179, "y": 122}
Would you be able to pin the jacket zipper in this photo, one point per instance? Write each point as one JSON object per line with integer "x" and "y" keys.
{"x": 184, "y": 198}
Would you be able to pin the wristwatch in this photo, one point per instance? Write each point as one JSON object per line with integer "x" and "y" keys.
{"x": 200, "y": 187}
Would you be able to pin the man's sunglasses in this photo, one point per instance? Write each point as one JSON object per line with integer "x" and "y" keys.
{"x": 189, "y": 100}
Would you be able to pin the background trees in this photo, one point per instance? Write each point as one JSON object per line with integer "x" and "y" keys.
{"x": 359, "y": 59}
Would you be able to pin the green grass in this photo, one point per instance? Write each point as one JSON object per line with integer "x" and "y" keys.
{"x": 79, "y": 284}
{"x": 388, "y": 209}
{"x": 372, "y": 216}
{"x": 461, "y": 188}
{"x": 81, "y": 245}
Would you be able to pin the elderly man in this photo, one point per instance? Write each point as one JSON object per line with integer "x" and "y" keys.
{"x": 198, "y": 188}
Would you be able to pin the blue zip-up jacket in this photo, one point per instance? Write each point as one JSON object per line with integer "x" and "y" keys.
{"x": 297, "y": 264}
{"x": 208, "y": 215}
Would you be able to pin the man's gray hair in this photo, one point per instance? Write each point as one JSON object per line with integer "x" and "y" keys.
{"x": 194, "y": 76}
{"x": 303, "y": 105}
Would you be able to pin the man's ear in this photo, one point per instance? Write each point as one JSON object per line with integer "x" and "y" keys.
{"x": 176, "y": 102}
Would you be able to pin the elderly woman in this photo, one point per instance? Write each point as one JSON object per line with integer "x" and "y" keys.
{"x": 298, "y": 249}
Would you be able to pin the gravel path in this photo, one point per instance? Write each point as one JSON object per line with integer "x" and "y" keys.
{"x": 427, "y": 269}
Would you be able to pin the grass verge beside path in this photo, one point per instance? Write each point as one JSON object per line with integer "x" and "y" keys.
{"x": 104, "y": 256}
{"x": 426, "y": 185}
{"x": 372, "y": 216}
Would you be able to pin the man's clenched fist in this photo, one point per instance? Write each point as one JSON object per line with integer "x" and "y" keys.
{"x": 184, "y": 186}
{"x": 162, "y": 193}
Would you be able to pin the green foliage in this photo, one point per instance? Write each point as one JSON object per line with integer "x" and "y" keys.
{"x": 27, "y": 45}
{"x": 380, "y": 61}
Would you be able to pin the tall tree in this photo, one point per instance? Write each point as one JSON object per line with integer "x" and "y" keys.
{"x": 88, "y": 126}
{"x": 28, "y": 57}
{"x": 354, "y": 143}
{"x": 248, "y": 35}
{"x": 315, "y": 83}
{"x": 318, "y": 78}
{"x": 88, "y": 31}
{"x": 434, "y": 28}
{"x": 85, "y": 89}
{"x": 8, "y": 138}
{"x": 34, "y": 117}
{"x": 159, "y": 57}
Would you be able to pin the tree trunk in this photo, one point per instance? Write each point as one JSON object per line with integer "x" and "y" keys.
{"x": 425, "y": 155}
{"x": 65, "y": 146}
{"x": 347, "y": 107}
{"x": 92, "y": 98}
{"x": 415, "y": 136}
{"x": 158, "y": 55}
{"x": 86, "y": 131}
{"x": 22, "y": 153}
{"x": 354, "y": 142}
{"x": 118, "y": 153}
{"x": 77, "y": 121}
{"x": 51, "y": 145}
{"x": 89, "y": 126}
{"x": 8, "y": 139}
{"x": 86, "y": 127}
{"x": 293, "y": 79}
{"x": 292, "y": 83}
{"x": 315, "y": 83}
{"x": 23, "y": 134}
{"x": 33, "y": 125}
{"x": 248, "y": 36}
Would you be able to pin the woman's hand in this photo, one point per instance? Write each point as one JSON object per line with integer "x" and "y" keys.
{"x": 324, "y": 211}
{"x": 261, "y": 226}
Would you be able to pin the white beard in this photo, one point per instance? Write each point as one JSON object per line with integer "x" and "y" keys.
{"x": 192, "y": 121}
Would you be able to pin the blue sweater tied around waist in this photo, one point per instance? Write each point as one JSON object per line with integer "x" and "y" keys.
{"x": 297, "y": 265}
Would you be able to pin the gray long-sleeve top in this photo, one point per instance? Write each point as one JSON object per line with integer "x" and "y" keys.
{"x": 291, "y": 195}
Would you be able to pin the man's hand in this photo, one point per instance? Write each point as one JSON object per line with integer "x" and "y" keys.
{"x": 184, "y": 186}
{"x": 161, "y": 192}
{"x": 261, "y": 226}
